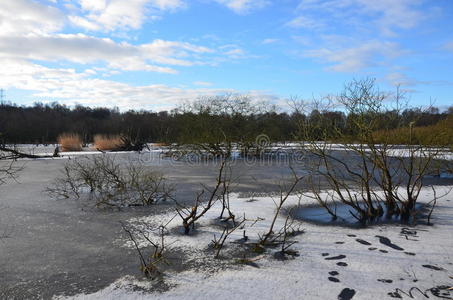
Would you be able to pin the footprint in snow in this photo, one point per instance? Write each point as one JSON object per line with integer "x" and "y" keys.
{"x": 410, "y": 253}
{"x": 325, "y": 254}
{"x": 385, "y": 280}
{"x": 351, "y": 235}
{"x": 339, "y": 243}
{"x": 395, "y": 295}
{"x": 387, "y": 242}
{"x": 338, "y": 257}
{"x": 333, "y": 273}
{"x": 342, "y": 264}
{"x": 433, "y": 267}
{"x": 408, "y": 231}
{"x": 442, "y": 291}
{"x": 383, "y": 251}
{"x": 346, "y": 294}
{"x": 372, "y": 248}
{"x": 363, "y": 242}
{"x": 332, "y": 276}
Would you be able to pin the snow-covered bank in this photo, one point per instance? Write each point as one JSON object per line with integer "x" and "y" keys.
{"x": 331, "y": 259}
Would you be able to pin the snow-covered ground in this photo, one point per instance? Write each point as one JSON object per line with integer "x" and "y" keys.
{"x": 334, "y": 262}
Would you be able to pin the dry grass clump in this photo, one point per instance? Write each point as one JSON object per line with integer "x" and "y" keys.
{"x": 108, "y": 142}
{"x": 70, "y": 142}
{"x": 440, "y": 134}
{"x": 159, "y": 144}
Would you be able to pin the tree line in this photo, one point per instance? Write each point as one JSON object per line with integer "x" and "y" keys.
{"x": 214, "y": 119}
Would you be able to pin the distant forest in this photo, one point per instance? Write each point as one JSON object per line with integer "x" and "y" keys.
{"x": 206, "y": 120}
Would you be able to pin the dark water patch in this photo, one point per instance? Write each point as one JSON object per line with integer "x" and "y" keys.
{"x": 363, "y": 242}
{"x": 346, "y": 294}
{"x": 318, "y": 215}
{"x": 386, "y": 241}
{"x": 435, "y": 268}
{"x": 342, "y": 264}
{"x": 334, "y": 273}
{"x": 338, "y": 257}
{"x": 333, "y": 279}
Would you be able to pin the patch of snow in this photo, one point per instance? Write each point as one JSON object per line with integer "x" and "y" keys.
{"x": 306, "y": 277}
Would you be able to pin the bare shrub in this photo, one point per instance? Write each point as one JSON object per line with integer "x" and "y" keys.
{"x": 9, "y": 170}
{"x": 110, "y": 184}
{"x": 227, "y": 181}
{"x": 218, "y": 243}
{"x": 154, "y": 247}
{"x": 364, "y": 174}
{"x": 190, "y": 215}
{"x": 285, "y": 191}
{"x": 108, "y": 142}
{"x": 70, "y": 142}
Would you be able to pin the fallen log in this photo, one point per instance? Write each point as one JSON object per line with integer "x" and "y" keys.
{"x": 18, "y": 154}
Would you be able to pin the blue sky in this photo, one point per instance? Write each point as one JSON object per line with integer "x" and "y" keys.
{"x": 152, "y": 54}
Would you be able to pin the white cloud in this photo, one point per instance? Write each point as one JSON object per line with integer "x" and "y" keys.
{"x": 235, "y": 53}
{"x": 83, "y": 49}
{"x": 398, "y": 78}
{"x": 22, "y": 16}
{"x": 387, "y": 15}
{"x": 305, "y": 22}
{"x": 401, "y": 14}
{"x": 269, "y": 41}
{"x": 168, "y": 4}
{"x": 119, "y": 14}
{"x": 353, "y": 59}
{"x": 70, "y": 86}
{"x": 243, "y": 6}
